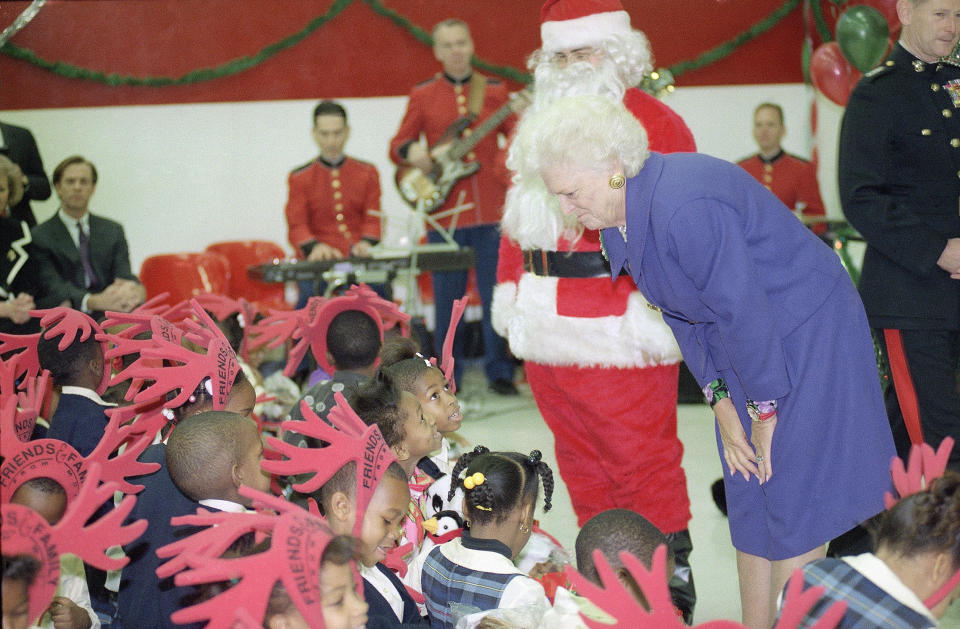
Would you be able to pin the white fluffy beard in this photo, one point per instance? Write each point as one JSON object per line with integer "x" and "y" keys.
{"x": 552, "y": 83}
{"x": 532, "y": 216}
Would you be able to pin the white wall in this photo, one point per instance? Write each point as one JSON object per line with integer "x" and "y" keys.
{"x": 182, "y": 176}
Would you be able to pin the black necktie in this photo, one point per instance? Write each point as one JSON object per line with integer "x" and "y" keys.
{"x": 93, "y": 281}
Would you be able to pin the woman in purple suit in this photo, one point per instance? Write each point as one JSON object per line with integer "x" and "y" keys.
{"x": 767, "y": 319}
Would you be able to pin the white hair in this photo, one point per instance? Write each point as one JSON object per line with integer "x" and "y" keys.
{"x": 581, "y": 132}
{"x": 532, "y": 217}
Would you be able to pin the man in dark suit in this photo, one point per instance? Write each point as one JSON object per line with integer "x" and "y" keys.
{"x": 18, "y": 144}
{"x": 899, "y": 163}
{"x": 83, "y": 258}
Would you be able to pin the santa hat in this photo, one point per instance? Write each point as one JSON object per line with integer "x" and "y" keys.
{"x": 571, "y": 24}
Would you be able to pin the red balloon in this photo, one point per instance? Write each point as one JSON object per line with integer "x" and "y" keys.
{"x": 887, "y": 8}
{"x": 832, "y": 74}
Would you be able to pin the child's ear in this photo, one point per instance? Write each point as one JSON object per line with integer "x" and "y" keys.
{"x": 236, "y": 476}
{"x": 278, "y": 621}
{"x": 526, "y": 513}
{"x": 942, "y": 569}
{"x": 340, "y": 507}
{"x": 400, "y": 451}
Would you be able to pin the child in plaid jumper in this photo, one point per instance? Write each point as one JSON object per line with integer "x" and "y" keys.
{"x": 474, "y": 574}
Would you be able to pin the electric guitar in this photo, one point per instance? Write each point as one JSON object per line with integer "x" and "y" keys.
{"x": 432, "y": 187}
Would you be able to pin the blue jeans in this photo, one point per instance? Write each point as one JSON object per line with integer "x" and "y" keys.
{"x": 451, "y": 285}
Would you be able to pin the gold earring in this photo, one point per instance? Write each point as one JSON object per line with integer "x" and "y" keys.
{"x": 524, "y": 529}
{"x": 617, "y": 181}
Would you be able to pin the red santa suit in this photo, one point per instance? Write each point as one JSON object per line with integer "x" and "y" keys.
{"x": 582, "y": 337}
{"x": 792, "y": 179}
{"x": 333, "y": 204}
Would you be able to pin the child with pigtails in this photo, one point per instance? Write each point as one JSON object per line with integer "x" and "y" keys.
{"x": 474, "y": 574}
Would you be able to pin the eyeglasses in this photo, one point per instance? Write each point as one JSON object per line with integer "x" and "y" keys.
{"x": 566, "y": 57}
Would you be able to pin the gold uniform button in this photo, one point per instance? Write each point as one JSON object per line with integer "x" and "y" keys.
{"x": 471, "y": 156}
{"x": 335, "y": 172}
{"x": 935, "y": 86}
{"x": 767, "y": 187}
{"x": 461, "y": 99}
{"x": 457, "y": 88}
{"x": 467, "y": 133}
{"x": 342, "y": 227}
{"x": 339, "y": 217}
{"x": 461, "y": 110}
{"x": 925, "y": 132}
{"x": 767, "y": 178}
{"x": 338, "y": 206}
{"x": 955, "y": 142}
{"x": 889, "y": 62}
{"x": 768, "y": 167}
{"x": 335, "y": 183}
{"x": 946, "y": 113}
{"x": 337, "y": 195}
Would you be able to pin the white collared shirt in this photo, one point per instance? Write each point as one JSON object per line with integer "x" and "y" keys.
{"x": 382, "y": 584}
{"x": 90, "y": 394}
{"x": 223, "y": 505}
{"x": 877, "y": 571}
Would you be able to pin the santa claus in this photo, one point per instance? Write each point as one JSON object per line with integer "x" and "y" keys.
{"x": 578, "y": 331}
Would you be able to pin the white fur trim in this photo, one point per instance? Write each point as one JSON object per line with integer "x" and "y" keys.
{"x": 502, "y": 309}
{"x": 529, "y": 321}
{"x": 583, "y": 31}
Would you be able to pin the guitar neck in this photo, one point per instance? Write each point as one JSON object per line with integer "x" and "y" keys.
{"x": 465, "y": 145}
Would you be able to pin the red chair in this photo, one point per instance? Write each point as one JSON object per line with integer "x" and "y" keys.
{"x": 240, "y": 255}
{"x": 184, "y": 275}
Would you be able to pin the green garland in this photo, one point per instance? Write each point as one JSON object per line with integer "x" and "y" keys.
{"x": 719, "y": 52}
{"x": 822, "y": 29}
{"x": 242, "y": 64}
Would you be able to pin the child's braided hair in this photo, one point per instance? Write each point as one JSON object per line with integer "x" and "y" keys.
{"x": 496, "y": 482}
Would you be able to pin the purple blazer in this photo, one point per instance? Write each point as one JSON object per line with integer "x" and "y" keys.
{"x": 733, "y": 271}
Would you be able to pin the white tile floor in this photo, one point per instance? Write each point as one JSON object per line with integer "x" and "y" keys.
{"x": 513, "y": 423}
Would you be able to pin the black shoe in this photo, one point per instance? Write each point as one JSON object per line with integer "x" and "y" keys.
{"x": 682, "y": 590}
{"x": 719, "y": 495}
{"x": 502, "y": 386}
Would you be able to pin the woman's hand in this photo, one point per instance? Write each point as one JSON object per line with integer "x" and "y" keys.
{"x": 736, "y": 449}
{"x": 761, "y": 436}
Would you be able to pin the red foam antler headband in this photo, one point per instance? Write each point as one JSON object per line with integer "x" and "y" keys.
{"x": 614, "y": 599}
{"x": 923, "y": 468}
{"x": 349, "y": 439}
{"x": 25, "y": 532}
{"x": 24, "y": 405}
{"x": 279, "y": 326}
{"x": 58, "y": 460}
{"x": 219, "y": 363}
{"x": 446, "y": 355}
{"x": 68, "y": 323}
{"x": 308, "y": 326}
{"x": 298, "y": 541}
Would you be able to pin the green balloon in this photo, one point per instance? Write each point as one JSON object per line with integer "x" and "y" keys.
{"x": 863, "y": 36}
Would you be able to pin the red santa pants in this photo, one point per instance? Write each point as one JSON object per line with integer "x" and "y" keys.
{"x": 616, "y": 439}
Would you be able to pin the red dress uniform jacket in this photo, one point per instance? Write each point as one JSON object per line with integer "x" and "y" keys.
{"x": 333, "y": 205}
{"x": 433, "y": 106}
{"x": 791, "y": 179}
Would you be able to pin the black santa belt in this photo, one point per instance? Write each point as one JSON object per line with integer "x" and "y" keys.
{"x": 578, "y": 264}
